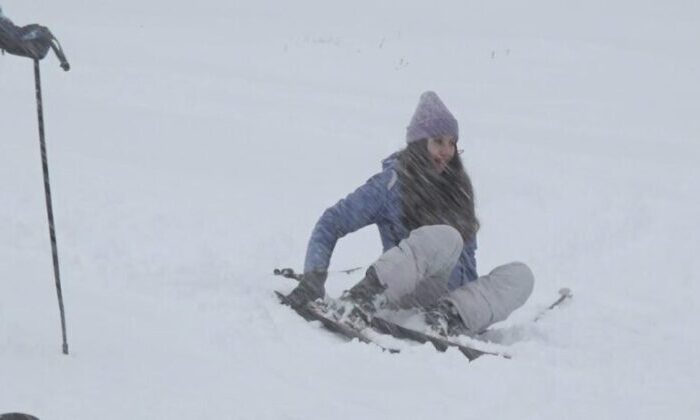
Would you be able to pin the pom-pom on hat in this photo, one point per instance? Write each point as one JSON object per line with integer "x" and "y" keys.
{"x": 431, "y": 119}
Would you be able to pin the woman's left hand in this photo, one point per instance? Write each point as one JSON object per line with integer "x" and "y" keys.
{"x": 310, "y": 288}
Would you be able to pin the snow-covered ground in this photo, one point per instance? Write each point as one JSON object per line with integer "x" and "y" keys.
{"x": 193, "y": 146}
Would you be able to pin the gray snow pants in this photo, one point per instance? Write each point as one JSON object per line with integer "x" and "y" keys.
{"x": 416, "y": 273}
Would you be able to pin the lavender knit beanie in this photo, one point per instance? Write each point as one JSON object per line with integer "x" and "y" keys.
{"x": 431, "y": 119}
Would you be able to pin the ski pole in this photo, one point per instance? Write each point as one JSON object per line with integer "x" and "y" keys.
{"x": 34, "y": 41}
{"x": 49, "y": 205}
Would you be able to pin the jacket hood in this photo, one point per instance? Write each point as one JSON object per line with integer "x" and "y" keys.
{"x": 390, "y": 161}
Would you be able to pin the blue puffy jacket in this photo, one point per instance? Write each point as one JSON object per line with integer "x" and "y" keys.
{"x": 376, "y": 202}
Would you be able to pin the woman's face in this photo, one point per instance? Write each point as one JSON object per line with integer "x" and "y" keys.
{"x": 441, "y": 151}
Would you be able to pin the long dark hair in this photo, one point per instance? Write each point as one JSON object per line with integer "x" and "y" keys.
{"x": 432, "y": 198}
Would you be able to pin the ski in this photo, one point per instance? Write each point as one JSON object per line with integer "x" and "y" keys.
{"x": 443, "y": 343}
{"x": 334, "y": 322}
{"x": 318, "y": 312}
{"x": 440, "y": 343}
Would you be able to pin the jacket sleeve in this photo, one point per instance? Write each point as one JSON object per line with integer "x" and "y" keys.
{"x": 361, "y": 208}
{"x": 465, "y": 270}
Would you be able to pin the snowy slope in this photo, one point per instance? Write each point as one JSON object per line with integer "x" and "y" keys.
{"x": 193, "y": 146}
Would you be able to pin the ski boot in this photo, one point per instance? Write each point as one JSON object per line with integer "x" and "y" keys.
{"x": 443, "y": 320}
{"x": 361, "y": 302}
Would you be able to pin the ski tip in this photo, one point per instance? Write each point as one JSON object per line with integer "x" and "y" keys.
{"x": 288, "y": 273}
{"x": 502, "y": 355}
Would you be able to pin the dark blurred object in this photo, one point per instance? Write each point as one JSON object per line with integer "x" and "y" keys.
{"x": 17, "y": 416}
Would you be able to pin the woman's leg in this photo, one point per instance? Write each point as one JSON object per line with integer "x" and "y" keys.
{"x": 493, "y": 297}
{"x": 416, "y": 272}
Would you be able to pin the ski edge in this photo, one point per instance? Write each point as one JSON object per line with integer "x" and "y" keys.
{"x": 441, "y": 344}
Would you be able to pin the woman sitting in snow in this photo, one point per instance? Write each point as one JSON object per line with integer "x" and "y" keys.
{"x": 423, "y": 205}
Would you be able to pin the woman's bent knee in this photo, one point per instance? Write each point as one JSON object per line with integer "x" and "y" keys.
{"x": 515, "y": 275}
{"x": 440, "y": 237}
{"x": 523, "y": 276}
